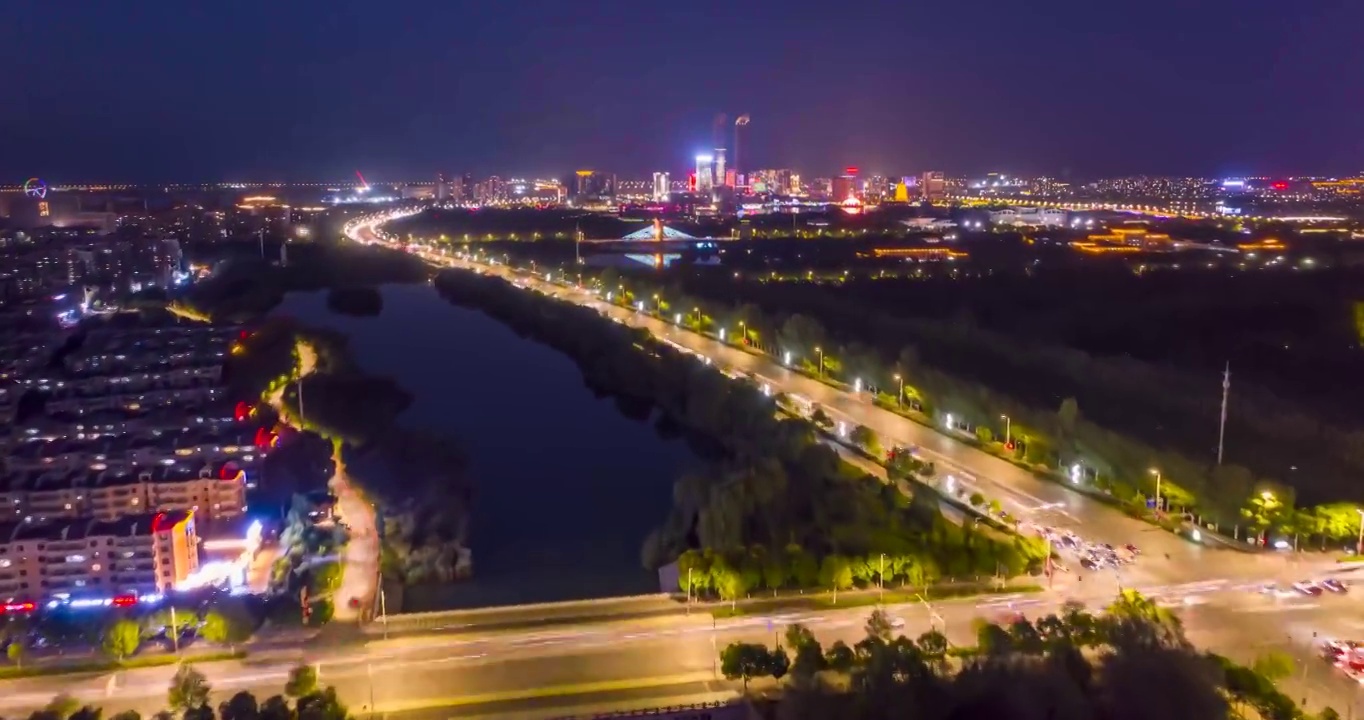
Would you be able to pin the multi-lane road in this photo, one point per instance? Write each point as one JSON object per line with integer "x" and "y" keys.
{"x": 539, "y": 662}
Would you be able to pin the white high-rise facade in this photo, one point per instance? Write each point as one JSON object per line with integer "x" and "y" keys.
{"x": 661, "y": 191}
{"x": 705, "y": 174}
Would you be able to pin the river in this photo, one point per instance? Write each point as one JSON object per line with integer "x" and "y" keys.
{"x": 565, "y": 486}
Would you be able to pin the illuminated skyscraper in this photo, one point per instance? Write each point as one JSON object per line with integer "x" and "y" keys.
{"x": 844, "y": 186}
{"x": 720, "y": 166}
{"x": 933, "y": 186}
{"x": 661, "y": 187}
{"x": 705, "y": 174}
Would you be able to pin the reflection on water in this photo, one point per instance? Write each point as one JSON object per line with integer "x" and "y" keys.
{"x": 566, "y": 486}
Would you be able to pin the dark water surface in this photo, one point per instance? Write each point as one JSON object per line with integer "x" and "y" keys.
{"x": 565, "y": 486}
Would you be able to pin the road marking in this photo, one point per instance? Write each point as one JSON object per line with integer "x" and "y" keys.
{"x": 543, "y": 692}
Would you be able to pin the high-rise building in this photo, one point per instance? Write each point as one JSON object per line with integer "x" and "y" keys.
{"x": 661, "y": 189}
{"x": 844, "y": 186}
{"x": 705, "y": 174}
{"x": 442, "y": 188}
{"x": 720, "y": 178}
{"x": 795, "y": 184}
{"x": 933, "y": 186}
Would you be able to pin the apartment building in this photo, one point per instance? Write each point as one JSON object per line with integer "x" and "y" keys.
{"x": 214, "y": 491}
{"x": 136, "y": 554}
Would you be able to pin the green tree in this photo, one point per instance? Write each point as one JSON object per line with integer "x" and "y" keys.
{"x": 17, "y": 651}
{"x": 242, "y": 706}
{"x": 62, "y": 706}
{"x": 835, "y": 573}
{"x": 879, "y": 625}
{"x": 992, "y": 639}
{"x": 121, "y": 638}
{"x": 840, "y": 657}
{"x": 227, "y": 623}
{"x": 133, "y": 715}
{"x": 276, "y": 707}
{"x": 798, "y": 636}
{"x": 321, "y": 705}
{"x": 744, "y": 660}
{"x": 809, "y": 660}
{"x": 821, "y": 418}
{"x": 88, "y": 712}
{"x": 865, "y": 438}
{"x": 933, "y": 645}
{"x": 1274, "y": 665}
{"x": 302, "y": 681}
{"x": 188, "y": 689}
{"x": 977, "y": 499}
{"x": 324, "y": 578}
{"x": 984, "y": 435}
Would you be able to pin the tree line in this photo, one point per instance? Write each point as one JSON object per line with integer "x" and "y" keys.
{"x": 189, "y": 694}
{"x": 418, "y": 479}
{"x": 246, "y": 287}
{"x": 1132, "y": 661}
{"x": 860, "y": 343}
{"x": 777, "y": 502}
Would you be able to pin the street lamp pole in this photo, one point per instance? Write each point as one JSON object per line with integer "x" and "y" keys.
{"x": 743, "y": 330}
{"x": 1008, "y": 429}
{"x": 658, "y": 305}
{"x": 689, "y": 591}
{"x": 820, "y": 351}
{"x": 900, "y": 393}
{"x": 881, "y": 580}
{"x": 1158, "y": 478}
{"x": 1359, "y": 546}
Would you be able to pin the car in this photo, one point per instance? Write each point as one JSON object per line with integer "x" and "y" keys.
{"x": 1336, "y": 651}
{"x": 1308, "y": 588}
{"x": 1334, "y": 585}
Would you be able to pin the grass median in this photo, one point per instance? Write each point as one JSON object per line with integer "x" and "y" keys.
{"x": 824, "y": 600}
{"x": 105, "y": 666}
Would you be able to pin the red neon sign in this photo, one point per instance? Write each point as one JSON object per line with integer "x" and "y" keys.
{"x": 125, "y": 600}
{"x": 849, "y": 171}
{"x": 19, "y": 607}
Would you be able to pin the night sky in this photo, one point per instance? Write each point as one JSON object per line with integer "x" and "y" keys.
{"x": 207, "y": 90}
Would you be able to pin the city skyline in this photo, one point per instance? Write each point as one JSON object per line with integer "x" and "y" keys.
{"x": 166, "y": 92}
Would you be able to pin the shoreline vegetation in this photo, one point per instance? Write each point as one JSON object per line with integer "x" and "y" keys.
{"x": 780, "y": 509}
{"x": 1061, "y": 445}
{"x": 416, "y": 479}
{"x": 1069, "y": 664}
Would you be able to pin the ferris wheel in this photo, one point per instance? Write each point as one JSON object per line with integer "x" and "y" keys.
{"x": 35, "y": 188}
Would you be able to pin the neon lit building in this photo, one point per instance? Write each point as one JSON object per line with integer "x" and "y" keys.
{"x": 661, "y": 189}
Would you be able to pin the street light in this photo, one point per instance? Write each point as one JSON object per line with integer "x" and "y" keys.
{"x": 821, "y": 361}
{"x": 1008, "y": 429}
{"x": 743, "y": 330}
{"x": 1359, "y": 546}
{"x": 1158, "y": 478}
{"x": 697, "y": 310}
{"x": 900, "y": 394}
{"x": 881, "y": 579}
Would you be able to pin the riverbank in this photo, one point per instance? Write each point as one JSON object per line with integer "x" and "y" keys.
{"x": 566, "y": 494}
{"x": 783, "y": 510}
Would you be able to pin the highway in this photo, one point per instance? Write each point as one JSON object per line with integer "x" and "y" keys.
{"x": 534, "y": 662}
{"x": 1023, "y": 494}
{"x": 554, "y": 669}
